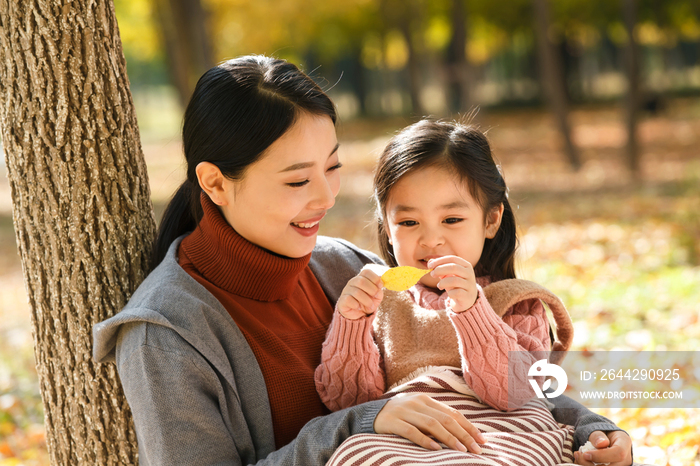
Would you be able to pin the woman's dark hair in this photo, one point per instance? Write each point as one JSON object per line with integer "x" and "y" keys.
{"x": 237, "y": 110}
{"x": 465, "y": 151}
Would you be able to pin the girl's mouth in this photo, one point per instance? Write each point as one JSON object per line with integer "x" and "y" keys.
{"x": 425, "y": 260}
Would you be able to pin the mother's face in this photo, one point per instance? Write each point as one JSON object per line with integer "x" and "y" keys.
{"x": 282, "y": 197}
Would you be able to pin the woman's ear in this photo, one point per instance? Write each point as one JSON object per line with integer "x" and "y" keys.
{"x": 212, "y": 182}
{"x": 493, "y": 221}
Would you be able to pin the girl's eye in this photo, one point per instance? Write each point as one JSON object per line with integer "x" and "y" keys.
{"x": 453, "y": 220}
{"x": 408, "y": 223}
{"x": 335, "y": 167}
{"x": 298, "y": 185}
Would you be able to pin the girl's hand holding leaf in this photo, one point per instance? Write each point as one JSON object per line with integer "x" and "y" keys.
{"x": 362, "y": 295}
{"x": 458, "y": 279}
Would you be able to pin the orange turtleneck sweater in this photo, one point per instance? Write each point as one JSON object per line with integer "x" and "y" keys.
{"x": 278, "y": 305}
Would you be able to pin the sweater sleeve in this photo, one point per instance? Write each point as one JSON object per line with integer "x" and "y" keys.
{"x": 182, "y": 416}
{"x": 350, "y": 372}
{"x": 485, "y": 341}
{"x": 568, "y": 411}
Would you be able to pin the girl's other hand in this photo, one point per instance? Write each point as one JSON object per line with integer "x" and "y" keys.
{"x": 417, "y": 417}
{"x": 615, "y": 448}
{"x": 361, "y": 296}
{"x": 458, "y": 279}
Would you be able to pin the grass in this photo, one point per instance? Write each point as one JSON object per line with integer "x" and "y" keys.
{"x": 623, "y": 254}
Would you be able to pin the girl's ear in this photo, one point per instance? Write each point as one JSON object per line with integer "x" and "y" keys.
{"x": 385, "y": 228}
{"x": 493, "y": 221}
{"x": 212, "y": 182}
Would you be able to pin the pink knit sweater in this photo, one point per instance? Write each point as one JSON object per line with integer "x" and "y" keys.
{"x": 352, "y": 372}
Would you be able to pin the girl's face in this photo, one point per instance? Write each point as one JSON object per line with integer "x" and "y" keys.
{"x": 283, "y": 196}
{"x": 430, "y": 213}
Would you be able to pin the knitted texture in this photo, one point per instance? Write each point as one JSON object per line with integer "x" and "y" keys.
{"x": 485, "y": 343}
{"x": 279, "y": 307}
{"x": 407, "y": 336}
{"x": 506, "y": 293}
{"x": 356, "y": 375}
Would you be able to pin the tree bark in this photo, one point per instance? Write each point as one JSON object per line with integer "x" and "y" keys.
{"x": 81, "y": 208}
{"x": 183, "y": 26}
{"x": 632, "y": 100}
{"x": 552, "y": 79}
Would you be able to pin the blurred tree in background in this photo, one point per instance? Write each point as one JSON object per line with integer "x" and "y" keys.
{"x": 552, "y": 77}
{"x": 186, "y": 39}
{"x": 439, "y": 57}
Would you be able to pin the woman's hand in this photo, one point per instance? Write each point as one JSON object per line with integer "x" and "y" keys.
{"x": 417, "y": 417}
{"x": 361, "y": 296}
{"x": 614, "y": 448}
{"x": 458, "y": 279}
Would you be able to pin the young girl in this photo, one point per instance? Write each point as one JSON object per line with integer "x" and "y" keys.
{"x": 442, "y": 205}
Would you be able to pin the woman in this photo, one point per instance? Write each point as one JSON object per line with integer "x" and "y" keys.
{"x": 216, "y": 350}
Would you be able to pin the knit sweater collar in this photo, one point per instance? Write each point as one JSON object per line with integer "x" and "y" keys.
{"x": 236, "y": 265}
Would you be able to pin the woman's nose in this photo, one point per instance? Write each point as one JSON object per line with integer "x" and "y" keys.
{"x": 324, "y": 195}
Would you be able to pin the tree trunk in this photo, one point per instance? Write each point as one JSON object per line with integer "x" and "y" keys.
{"x": 412, "y": 67}
{"x": 357, "y": 79}
{"x": 405, "y": 16}
{"x": 183, "y": 26}
{"x": 81, "y": 207}
{"x": 632, "y": 99}
{"x": 459, "y": 70}
{"x": 552, "y": 79}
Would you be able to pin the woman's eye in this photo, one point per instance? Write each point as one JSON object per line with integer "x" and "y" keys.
{"x": 408, "y": 223}
{"x": 453, "y": 220}
{"x": 298, "y": 184}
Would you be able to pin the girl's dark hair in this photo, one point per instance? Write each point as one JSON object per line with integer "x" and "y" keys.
{"x": 237, "y": 110}
{"x": 465, "y": 151}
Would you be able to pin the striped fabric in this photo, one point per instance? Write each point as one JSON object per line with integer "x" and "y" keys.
{"x": 528, "y": 436}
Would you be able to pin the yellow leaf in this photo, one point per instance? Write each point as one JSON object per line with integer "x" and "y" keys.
{"x": 402, "y": 278}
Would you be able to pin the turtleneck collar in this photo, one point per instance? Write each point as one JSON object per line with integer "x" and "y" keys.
{"x": 236, "y": 265}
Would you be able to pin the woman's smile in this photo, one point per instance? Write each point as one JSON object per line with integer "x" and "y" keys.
{"x": 308, "y": 227}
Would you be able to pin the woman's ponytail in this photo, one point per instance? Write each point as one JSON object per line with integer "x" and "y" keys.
{"x": 181, "y": 216}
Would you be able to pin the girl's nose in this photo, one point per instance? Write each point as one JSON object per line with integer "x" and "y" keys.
{"x": 431, "y": 238}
